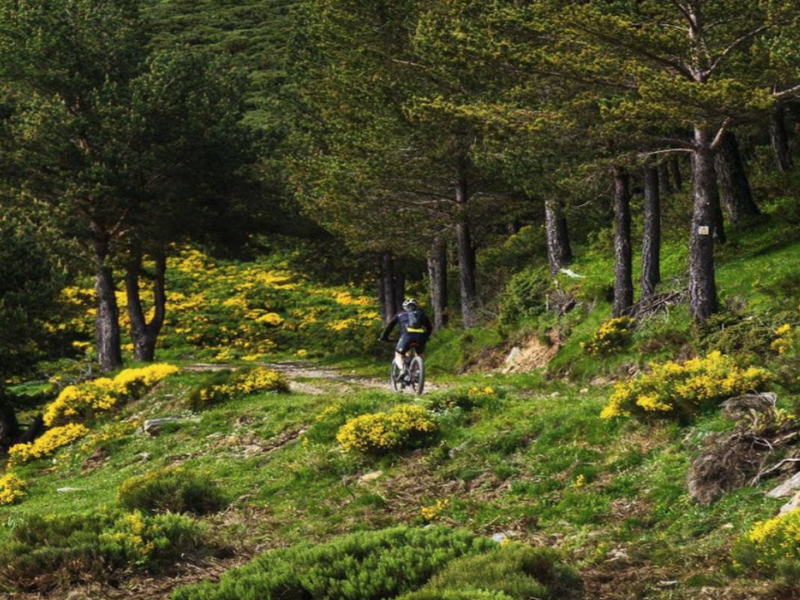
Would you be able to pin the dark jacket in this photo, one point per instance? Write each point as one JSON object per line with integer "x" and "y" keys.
{"x": 401, "y": 319}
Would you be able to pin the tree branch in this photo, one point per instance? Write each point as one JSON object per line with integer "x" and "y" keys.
{"x": 732, "y": 47}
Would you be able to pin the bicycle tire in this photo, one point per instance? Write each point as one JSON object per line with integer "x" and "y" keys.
{"x": 417, "y": 370}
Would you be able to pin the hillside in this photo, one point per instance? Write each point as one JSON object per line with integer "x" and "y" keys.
{"x": 522, "y": 458}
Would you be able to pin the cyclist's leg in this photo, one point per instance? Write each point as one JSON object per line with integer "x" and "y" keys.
{"x": 400, "y": 351}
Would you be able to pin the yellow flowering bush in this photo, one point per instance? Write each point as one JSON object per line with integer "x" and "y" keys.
{"x": 429, "y": 513}
{"x": 612, "y": 335}
{"x": 770, "y": 544}
{"x": 403, "y": 427}
{"x": 99, "y": 395}
{"x": 47, "y": 444}
{"x": 227, "y": 385}
{"x": 12, "y": 488}
{"x": 783, "y": 339}
{"x": 679, "y": 390}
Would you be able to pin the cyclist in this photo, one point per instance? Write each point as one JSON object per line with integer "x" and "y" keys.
{"x": 415, "y": 327}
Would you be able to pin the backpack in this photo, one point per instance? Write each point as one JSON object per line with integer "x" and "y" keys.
{"x": 415, "y": 320}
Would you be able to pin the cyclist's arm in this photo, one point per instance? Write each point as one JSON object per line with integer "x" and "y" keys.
{"x": 388, "y": 329}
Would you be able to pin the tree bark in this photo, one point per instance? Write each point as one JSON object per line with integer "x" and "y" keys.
{"x": 675, "y": 171}
{"x": 466, "y": 257}
{"x": 664, "y": 183}
{"x": 437, "y": 273}
{"x": 734, "y": 187}
{"x": 702, "y": 284}
{"x": 390, "y": 307}
{"x": 109, "y": 339}
{"x": 559, "y": 252}
{"x": 651, "y": 238}
{"x": 9, "y": 426}
{"x": 144, "y": 334}
{"x": 623, "y": 256}
{"x": 780, "y": 138}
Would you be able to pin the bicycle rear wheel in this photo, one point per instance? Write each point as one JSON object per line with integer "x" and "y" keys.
{"x": 394, "y": 377}
{"x": 417, "y": 371}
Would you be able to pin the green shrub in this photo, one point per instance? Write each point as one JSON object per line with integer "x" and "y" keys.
{"x": 512, "y": 571}
{"x": 613, "y": 335}
{"x": 330, "y": 420}
{"x": 227, "y": 385}
{"x": 45, "y": 552}
{"x": 747, "y": 338}
{"x": 361, "y": 566}
{"x": 680, "y": 390}
{"x": 465, "y": 398}
{"x": 524, "y": 296}
{"x": 171, "y": 489}
{"x": 404, "y": 427}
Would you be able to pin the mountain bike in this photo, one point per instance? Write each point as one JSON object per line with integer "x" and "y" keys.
{"x": 414, "y": 372}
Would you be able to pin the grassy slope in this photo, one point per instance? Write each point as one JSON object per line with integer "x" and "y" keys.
{"x": 537, "y": 465}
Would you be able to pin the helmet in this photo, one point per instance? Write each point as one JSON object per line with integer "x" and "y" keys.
{"x": 409, "y": 304}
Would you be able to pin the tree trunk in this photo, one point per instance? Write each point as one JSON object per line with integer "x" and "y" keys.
{"x": 675, "y": 170}
{"x": 664, "y": 183}
{"x": 109, "y": 340}
{"x": 466, "y": 257}
{"x": 437, "y": 273}
{"x": 734, "y": 187}
{"x": 623, "y": 256}
{"x": 559, "y": 252}
{"x": 144, "y": 334}
{"x": 780, "y": 138}
{"x": 702, "y": 284}
{"x": 718, "y": 218}
{"x": 399, "y": 288}
{"x": 9, "y": 426}
{"x": 390, "y": 307}
{"x": 651, "y": 237}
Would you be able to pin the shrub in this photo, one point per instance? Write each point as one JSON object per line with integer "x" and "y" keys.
{"x": 511, "y": 571}
{"x": 47, "y": 444}
{"x": 50, "y": 551}
{"x": 465, "y": 398}
{"x": 406, "y": 426}
{"x": 85, "y": 399}
{"x": 680, "y": 391}
{"x": 227, "y": 385}
{"x": 171, "y": 489}
{"x": 613, "y": 335}
{"x": 770, "y": 547}
{"x": 12, "y": 488}
{"x": 729, "y": 334}
{"x": 360, "y": 566}
{"x": 329, "y": 421}
{"x": 524, "y": 296}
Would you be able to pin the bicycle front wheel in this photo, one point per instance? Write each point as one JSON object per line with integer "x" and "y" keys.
{"x": 417, "y": 371}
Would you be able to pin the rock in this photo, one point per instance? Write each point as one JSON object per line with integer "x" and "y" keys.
{"x": 499, "y": 538}
{"x": 252, "y": 450}
{"x": 513, "y": 355}
{"x": 154, "y": 426}
{"x": 785, "y": 488}
{"x": 791, "y": 505}
{"x": 367, "y": 477}
{"x": 67, "y": 490}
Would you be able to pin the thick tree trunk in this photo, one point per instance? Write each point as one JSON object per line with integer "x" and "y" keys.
{"x": 718, "y": 217}
{"x": 109, "y": 339}
{"x": 734, "y": 187}
{"x": 702, "y": 284}
{"x": 144, "y": 334}
{"x": 9, "y": 426}
{"x": 623, "y": 256}
{"x": 559, "y": 252}
{"x": 780, "y": 138}
{"x": 466, "y": 257}
{"x": 664, "y": 183}
{"x": 399, "y": 287}
{"x": 675, "y": 171}
{"x": 437, "y": 273}
{"x": 390, "y": 307}
{"x": 651, "y": 237}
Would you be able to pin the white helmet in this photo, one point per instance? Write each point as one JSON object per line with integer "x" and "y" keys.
{"x": 409, "y": 304}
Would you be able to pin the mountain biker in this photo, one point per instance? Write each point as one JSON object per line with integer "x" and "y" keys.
{"x": 415, "y": 327}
